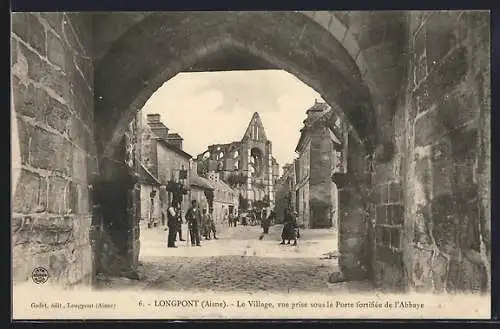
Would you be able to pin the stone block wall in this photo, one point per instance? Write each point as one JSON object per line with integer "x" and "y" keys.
{"x": 303, "y": 210}
{"x": 283, "y": 193}
{"x": 148, "y": 145}
{"x": 169, "y": 164}
{"x": 354, "y": 190}
{"x": 52, "y": 86}
{"x": 419, "y": 219}
{"x": 430, "y": 202}
{"x": 116, "y": 203}
{"x": 387, "y": 214}
{"x": 320, "y": 181}
{"x": 447, "y": 148}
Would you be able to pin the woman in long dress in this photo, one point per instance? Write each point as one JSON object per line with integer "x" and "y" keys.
{"x": 289, "y": 228}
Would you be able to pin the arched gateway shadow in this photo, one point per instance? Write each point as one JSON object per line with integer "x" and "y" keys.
{"x": 78, "y": 79}
{"x": 162, "y": 45}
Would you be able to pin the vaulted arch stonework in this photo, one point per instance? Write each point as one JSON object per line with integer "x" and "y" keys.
{"x": 221, "y": 41}
{"x": 413, "y": 88}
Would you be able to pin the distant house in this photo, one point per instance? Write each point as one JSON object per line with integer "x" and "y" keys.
{"x": 171, "y": 162}
{"x": 175, "y": 139}
{"x": 285, "y": 192}
{"x": 226, "y": 199}
{"x": 319, "y": 155}
{"x": 150, "y": 197}
{"x": 161, "y": 156}
{"x": 200, "y": 187}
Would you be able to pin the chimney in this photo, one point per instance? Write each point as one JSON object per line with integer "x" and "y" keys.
{"x": 153, "y": 118}
{"x": 175, "y": 140}
{"x": 157, "y": 127}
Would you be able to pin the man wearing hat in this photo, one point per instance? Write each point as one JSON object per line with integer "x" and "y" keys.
{"x": 193, "y": 217}
{"x": 172, "y": 226}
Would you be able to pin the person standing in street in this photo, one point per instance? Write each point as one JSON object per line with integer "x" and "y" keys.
{"x": 179, "y": 225}
{"x": 290, "y": 227}
{"x": 205, "y": 224}
{"x": 172, "y": 226}
{"x": 265, "y": 223}
{"x": 193, "y": 217}
{"x": 211, "y": 224}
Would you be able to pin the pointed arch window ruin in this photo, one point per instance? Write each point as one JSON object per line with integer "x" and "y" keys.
{"x": 256, "y": 162}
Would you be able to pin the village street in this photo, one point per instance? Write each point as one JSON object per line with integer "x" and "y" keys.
{"x": 238, "y": 261}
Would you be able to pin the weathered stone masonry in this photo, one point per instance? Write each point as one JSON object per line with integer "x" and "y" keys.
{"x": 414, "y": 206}
{"x": 52, "y": 79}
{"x": 447, "y": 140}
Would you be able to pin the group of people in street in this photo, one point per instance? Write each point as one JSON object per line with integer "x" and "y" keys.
{"x": 208, "y": 225}
{"x": 174, "y": 225}
{"x": 232, "y": 220}
{"x": 200, "y": 223}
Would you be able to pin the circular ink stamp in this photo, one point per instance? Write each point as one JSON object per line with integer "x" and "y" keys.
{"x": 40, "y": 275}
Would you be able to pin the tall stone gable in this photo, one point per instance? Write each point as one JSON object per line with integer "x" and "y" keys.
{"x": 255, "y": 130}
{"x": 247, "y": 165}
{"x": 257, "y": 160}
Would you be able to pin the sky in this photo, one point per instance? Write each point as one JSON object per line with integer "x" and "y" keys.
{"x": 215, "y": 107}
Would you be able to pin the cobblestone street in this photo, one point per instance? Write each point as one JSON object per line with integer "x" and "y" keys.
{"x": 238, "y": 260}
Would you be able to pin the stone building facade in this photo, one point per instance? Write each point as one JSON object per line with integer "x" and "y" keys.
{"x": 319, "y": 151}
{"x": 162, "y": 157}
{"x": 151, "y": 203}
{"x": 247, "y": 165}
{"x": 198, "y": 188}
{"x": 226, "y": 199}
{"x": 414, "y": 87}
{"x": 285, "y": 192}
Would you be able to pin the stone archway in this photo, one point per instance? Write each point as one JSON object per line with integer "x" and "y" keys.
{"x": 316, "y": 47}
{"x": 223, "y": 41}
{"x": 179, "y": 42}
{"x": 78, "y": 78}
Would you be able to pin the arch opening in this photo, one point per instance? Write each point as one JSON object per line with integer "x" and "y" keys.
{"x": 289, "y": 41}
{"x": 78, "y": 79}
